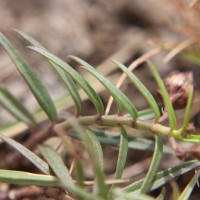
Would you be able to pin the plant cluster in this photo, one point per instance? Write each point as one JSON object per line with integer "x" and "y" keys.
{"x": 175, "y": 92}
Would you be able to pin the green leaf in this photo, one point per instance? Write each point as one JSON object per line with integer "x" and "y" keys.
{"x": 165, "y": 96}
{"x": 120, "y": 195}
{"x": 123, "y": 150}
{"x": 163, "y": 177}
{"x": 113, "y": 138}
{"x": 120, "y": 98}
{"x": 79, "y": 173}
{"x": 140, "y": 86}
{"x": 157, "y": 155}
{"x": 61, "y": 171}
{"x": 94, "y": 155}
{"x": 190, "y": 138}
{"x": 188, "y": 190}
{"x": 15, "y": 107}
{"x": 31, "y": 78}
{"x": 96, "y": 146}
{"x": 175, "y": 189}
{"x": 26, "y": 178}
{"x": 76, "y": 76}
{"x": 97, "y": 167}
{"x": 33, "y": 158}
{"x": 71, "y": 86}
{"x": 138, "y": 197}
{"x": 187, "y": 110}
{"x": 68, "y": 82}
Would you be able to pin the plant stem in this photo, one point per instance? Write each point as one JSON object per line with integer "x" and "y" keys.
{"x": 116, "y": 120}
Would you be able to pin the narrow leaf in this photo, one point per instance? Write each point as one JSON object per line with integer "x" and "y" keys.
{"x": 96, "y": 147}
{"x": 187, "y": 110}
{"x": 61, "y": 171}
{"x": 56, "y": 163}
{"x": 123, "y": 150}
{"x": 140, "y": 86}
{"x": 157, "y": 155}
{"x": 94, "y": 156}
{"x": 188, "y": 190}
{"x": 76, "y": 76}
{"x": 31, "y": 78}
{"x": 119, "y": 195}
{"x": 120, "y": 98}
{"x": 68, "y": 82}
{"x": 79, "y": 173}
{"x": 15, "y": 107}
{"x": 191, "y": 138}
{"x": 113, "y": 138}
{"x": 175, "y": 189}
{"x": 25, "y": 178}
{"x": 33, "y": 158}
{"x": 165, "y": 96}
{"x": 163, "y": 177}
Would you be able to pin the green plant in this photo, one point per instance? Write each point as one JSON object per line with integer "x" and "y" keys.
{"x": 55, "y": 171}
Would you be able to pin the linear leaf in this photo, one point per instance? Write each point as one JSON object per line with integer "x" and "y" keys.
{"x": 79, "y": 173}
{"x": 113, "y": 138}
{"x": 157, "y": 155}
{"x": 31, "y": 78}
{"x": 165, "y": 96}
{"x": 15, "y": 107}
{"x": 76, "y": 76}
{"x": 61, "y": 171}
{"x": 123, "y": 150}
{"x": 26, "y": 178}
{"x": 187, "y": 110}
{"x": 119, "y": 195}
{"x": 188, "y": 190}
{"x": 191, "y": 138}
{"x": 93, "y": 154}
{"x": 68, "y": 82}
{"x": 163, "y": 177}
{"x": 120, "y": 98}
{"x": 137, "y": 197}
{"x": 33, "y": 158}
{"x": 140, "y": 86}
{"x": 98, "y": 170}
{"x": 96, "y": 147}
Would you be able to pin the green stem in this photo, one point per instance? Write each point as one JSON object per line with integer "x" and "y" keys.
{"x": 115, "y": 120}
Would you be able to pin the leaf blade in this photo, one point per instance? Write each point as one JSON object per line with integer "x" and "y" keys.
{"x": 37, "y": 161}
{"x": 140, "y": 86}
{"x": 96, "y": 145}
{"x": 61, "y": 171}
{"x": 166, "y": 99}
{"x": 31, "y": 79}
{"x": 188, "y": 190}
{"x": 15, "y": 107}
{"x": 25, "y": 178}
{"x": 68, "y": 82}
{"x": 157, "y": 155}
{"x": 76, "y": 76}
{"x": 120, "y": 98}
{"x": 164, "y": 176}
{"x": 122, "y": 156}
